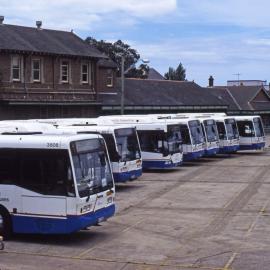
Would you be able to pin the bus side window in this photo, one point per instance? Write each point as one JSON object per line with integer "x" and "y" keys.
{"x": 9, "y": 167}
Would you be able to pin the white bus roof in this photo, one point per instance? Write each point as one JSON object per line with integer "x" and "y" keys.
{"x": 87, "y": 122}
{"x": 26, "y": 127}
{"x": 43, "y": 141}
{"x": 246, "y": 117}
{"x": 99, "y": 129}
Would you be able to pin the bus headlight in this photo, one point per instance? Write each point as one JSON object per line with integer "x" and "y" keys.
{"x": 109, "y": 200}
{"x": 86, "y": 208}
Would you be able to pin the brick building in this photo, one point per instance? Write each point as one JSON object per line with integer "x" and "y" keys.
{"x": 48, "y": 73}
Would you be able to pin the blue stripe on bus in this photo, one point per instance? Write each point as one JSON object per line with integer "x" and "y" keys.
{"x": 193, "y": 155}
{"x": 40, "y": 225}
{"x": 253, "y": 146}
{"x": 127, "y": 176}
{"x": 229, "y": 149}
{"x": 159, "y": 164}
{"x": 211, "y": 152}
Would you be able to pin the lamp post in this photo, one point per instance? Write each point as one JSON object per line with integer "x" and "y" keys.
{"x": 122, "y": 84}
{"x": 123, "y": 71}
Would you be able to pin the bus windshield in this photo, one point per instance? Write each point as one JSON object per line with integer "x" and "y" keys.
{"x": 174, "y": 139}
{"x": 246, "y": 128}
{"x": 127, "y": 144}
{"x": 258, "y": 127}
{"x": 232, "y": 131}
{"x": 196, "y": 132}
{"x": 91, "y": 165}
{"x": 211, "y": 130}
{"x": 185, "y": 134}
{"x": 157, "y": 141}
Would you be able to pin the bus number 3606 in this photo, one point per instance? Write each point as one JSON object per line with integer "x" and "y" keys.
{"x": 52, "y": 145}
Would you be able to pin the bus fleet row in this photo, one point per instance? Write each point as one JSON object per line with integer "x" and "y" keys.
{"x": 57, "y": 175}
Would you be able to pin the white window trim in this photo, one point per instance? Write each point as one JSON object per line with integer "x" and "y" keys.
{"x": 109, "y": 77}
{"x": 20, "y": 68}
{"x": 39, "y": 60}
{"x": 87, "y": 81}
{"x": 68, "y": 72}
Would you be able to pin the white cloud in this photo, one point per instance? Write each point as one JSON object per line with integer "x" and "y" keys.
{"x": 83, "y": 14}
{"x": 234, "y": 12}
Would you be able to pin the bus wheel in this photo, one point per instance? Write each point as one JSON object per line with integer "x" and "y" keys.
{"x": 5, "y": 224}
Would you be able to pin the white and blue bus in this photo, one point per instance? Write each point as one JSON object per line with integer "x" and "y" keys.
{"x": 160, "y": 141}
{"x": 210, "y": 132}
{"x": 53, "y": 184}
{"x": 251, "y": 132}
{"x": 193, "y": 141}
{"x": 228, "y": 134}
{"x": 122, "y": 143}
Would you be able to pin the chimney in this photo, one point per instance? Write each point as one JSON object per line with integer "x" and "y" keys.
{"x": 1, "y": 19}
{"x": 211, "y": 81}
{"x": 39, "y": 24}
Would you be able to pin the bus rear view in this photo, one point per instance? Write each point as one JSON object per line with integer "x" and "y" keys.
{"x": 54, "y": 184}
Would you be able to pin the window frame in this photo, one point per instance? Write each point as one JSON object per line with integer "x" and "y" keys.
{"x": 68, "y": 71}
{"x": 33, "y": 70}
{"x": 19, "y": 68}
{"x": 109, "y": 77}
{"x": 85, "y": 73}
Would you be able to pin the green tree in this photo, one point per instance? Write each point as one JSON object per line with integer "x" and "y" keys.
{"x": 115, "y": 50}
{"x": 178, "y": 74}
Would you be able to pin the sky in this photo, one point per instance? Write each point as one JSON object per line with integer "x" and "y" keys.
{"x": 209, "y": 37}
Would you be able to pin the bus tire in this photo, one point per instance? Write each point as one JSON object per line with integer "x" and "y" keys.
{"x": 5, "y": 223}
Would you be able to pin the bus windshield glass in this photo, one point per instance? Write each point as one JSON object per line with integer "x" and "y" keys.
{"x": 91, "y": 165}
{"x": 246, "y": 128}
{"x": 156, "y": 141}
{"x": 196, "y": 132}
{"x": 185, "y": 134}
{"x": 258, "y": 127}
{"x": 211, "y": 130}
{"x": 127, "y": 144}
{"x": 232, "y": 131}
{"x": 174, "y": 139}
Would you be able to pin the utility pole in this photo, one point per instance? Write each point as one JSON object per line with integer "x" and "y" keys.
{"x": 122, "y": 85}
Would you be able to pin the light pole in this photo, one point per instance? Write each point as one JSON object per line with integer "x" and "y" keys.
{"x": 122, "y": 84}
{"x": 123, "y": 71}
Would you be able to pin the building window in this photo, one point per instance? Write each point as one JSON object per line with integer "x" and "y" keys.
{"x": 85, "y": 73}
{"x": 36, "y": 69}
{"x": 16, "y": 68}
{"x": 65, "y": 71}
{"x": 109, "y": 79}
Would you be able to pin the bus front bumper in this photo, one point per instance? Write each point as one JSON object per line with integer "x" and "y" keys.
{"x": 229, "y": 149}
{"x": 211, "y": 152}
{"x": 254, "y": 146}
{"x": 59, "y": 225}
{"x": 194, "y": 155}
{"x": 127, "y": 176}
{"x": 160, "y": 164}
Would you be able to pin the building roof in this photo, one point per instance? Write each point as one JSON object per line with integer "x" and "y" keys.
{"x": 107, "y": 63}
{"x": 245, "y": 94}
{"x": 33, "y": 40}
{"x": 140, "y": 92}
{"x": 154, "y": 75}
{"x": 225, "y": 96}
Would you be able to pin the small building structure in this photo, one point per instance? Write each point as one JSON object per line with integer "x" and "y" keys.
{"x": 246, "y": 83}
{"x": 48, "y": 73}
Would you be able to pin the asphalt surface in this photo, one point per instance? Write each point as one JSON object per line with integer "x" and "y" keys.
{"x": 210, "y": 214}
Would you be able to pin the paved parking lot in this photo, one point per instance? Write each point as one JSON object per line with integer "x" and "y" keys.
{"x": 210, "y": 214}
